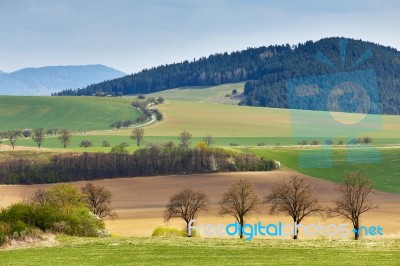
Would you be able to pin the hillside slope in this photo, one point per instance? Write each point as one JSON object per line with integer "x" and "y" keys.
{"x": 74, "y": 113}
{"x": 268, "y": 69}
{"x": 47, "y": 80}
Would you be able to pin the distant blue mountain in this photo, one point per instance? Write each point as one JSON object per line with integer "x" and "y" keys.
{"x": 50, "y": 79}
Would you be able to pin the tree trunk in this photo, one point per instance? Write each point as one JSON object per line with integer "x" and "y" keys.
{"x": 187, "y": 229}
{"x": 241, "y": 228}
{"x": 295, "y": 235}
{"x": 356, "y": 234}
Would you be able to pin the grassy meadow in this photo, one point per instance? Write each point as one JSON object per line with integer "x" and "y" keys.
{"x": 197, "y": 251}
{"x": 331, "y": 164}
{"x": 74, "y": 113}
{"x": 208, "y": 110}
{"x": 217, "y": 94}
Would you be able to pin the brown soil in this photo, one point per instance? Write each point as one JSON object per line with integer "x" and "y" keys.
{"x": 139, "y": 202}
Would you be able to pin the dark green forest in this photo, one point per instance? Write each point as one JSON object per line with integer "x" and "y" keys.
{"x": 269, "y": 72}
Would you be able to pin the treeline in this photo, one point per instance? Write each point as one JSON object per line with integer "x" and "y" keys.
{"x": 267, "y": 69}
{"x": 156, "y": 159}
{"x": 206, "y": 71}
{"x": 146, "y": 112}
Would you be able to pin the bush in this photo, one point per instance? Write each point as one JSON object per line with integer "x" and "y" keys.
{"x": 105, "y": 143}
{"x": 81, "y": 222}
{"x": 26, "y": 133}
{"x": 303, "y": 142}
{"x": 86, "y": 143}
{"x": 160, "y": 99}
{"x": 315, "y": 142}
{"x": 158, "y": 114}
{"x": 5, "y": 229}
{"x": 171, "y": 232}
{"x": 120, "y": 149}
{"x": 3, "y": 239}
{"x": 234, "y": 144}
{"x": 260, "y": 143}
{"x": 18, "y": 227}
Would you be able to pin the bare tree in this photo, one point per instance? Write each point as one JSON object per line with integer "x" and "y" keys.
{"x": 64, "y": 136}
{"x": 12, "y": 136}
{"x": 184, "y": 139}
{"x": 186, "y": 205}
{"x": 38, "y": 198}
{"x": 98, "y": 199}
{"x": 38, "y": 136}
{"x": 353, "y": 199}
{"x": 138, "y": 135}
{"x": 209, "y": 140}
{"x": 239, "y": 201}
{"x": 295, "y": 198}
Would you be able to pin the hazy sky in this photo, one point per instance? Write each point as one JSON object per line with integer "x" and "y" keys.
{"x": 130, "y": 35}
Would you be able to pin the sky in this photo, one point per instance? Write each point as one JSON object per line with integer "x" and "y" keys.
{"x": 131, "y": 35}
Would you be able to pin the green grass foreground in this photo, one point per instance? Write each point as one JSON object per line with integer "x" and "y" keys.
{"x": 197, "y": 251}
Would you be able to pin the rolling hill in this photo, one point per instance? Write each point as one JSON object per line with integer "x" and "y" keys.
{"x": 267, "y": 71}
{"x": 74, "y": 113}
{"x": 50, "y": 79}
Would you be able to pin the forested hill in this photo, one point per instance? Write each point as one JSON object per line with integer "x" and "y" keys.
{"x": 213, "y": 70}
{"x": 268, "y": 70}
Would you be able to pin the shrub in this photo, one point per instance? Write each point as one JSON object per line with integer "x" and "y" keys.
{"x": 234, "y": 144}
{"x": 18, "y": 227}
{"x": 81, "y": 222}
{"x": 120, "y": 148}
{"x": 86, "y": 143}
{"x": 105, "y": 143}
{"x": 303, "y": 142}
{"x": 118, "y": 124}
{"x": 315, "y": 142}
{"x": 5, "y": 229}
{"x": 158, "y": 114}
{"x": 3, "y": 239}
{"x": 171, "y": 232}
{"x": 260, "y": 143}
{"x": 26, "y": 133}
{"x": 160, "y": 99}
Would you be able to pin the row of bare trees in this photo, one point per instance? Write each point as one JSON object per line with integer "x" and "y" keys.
{"x": 294, "y": 197}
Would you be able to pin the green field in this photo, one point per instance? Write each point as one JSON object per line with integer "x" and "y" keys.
{"x": 53, "y": 142}
{"x": 385, "y": 172}
{"x": 207, "y": 110}
{"x": 74, "y": 113}
{"x": 217, "y": 94}
{"x": 197, "y": 251}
